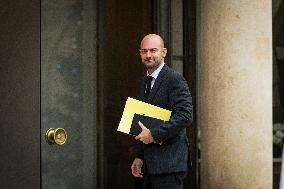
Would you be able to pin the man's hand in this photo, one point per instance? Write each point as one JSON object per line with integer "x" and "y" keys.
{"x": 145, "y": 136}
{"x": 136, "y": 167}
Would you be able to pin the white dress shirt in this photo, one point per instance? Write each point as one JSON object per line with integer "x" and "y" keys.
{"x": 155, "y": 74}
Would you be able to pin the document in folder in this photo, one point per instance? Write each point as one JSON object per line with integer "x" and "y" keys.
{"x": 133, "y": 106}
{"x": 147, "y": 121}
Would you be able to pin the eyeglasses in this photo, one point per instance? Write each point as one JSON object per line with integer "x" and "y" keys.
{"x": 152, "y": 51}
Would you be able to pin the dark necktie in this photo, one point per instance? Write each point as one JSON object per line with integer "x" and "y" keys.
{"x": 148, "y": 87}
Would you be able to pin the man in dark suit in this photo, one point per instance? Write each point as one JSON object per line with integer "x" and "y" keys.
{"x": 161, "y": 154}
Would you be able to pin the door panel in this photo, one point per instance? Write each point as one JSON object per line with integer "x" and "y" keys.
{"x": 68, "y": 97}
{"x": 19, "y": 94}
{"x": 87, "y": 48}
{"x": 122, "y": 26}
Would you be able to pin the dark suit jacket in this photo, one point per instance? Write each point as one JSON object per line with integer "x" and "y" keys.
{"x": 170, "y": 91}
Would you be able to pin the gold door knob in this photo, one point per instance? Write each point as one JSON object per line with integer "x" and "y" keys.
{"x": 56, "y": 136}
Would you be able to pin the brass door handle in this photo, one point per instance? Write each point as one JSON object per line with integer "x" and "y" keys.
{"x": 56, "y": 136}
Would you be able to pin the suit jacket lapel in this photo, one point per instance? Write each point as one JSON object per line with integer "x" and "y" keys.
{"x": 142, "y": 89}
{"x": 157, "y": 83}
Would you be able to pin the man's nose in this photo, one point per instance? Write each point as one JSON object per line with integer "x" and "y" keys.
{"x": 148, "y": 54}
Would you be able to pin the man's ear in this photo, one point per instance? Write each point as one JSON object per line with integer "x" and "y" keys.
{"x": 164, "y": 52}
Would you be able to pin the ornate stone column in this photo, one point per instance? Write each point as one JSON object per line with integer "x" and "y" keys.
{"x": 235, "y": 93}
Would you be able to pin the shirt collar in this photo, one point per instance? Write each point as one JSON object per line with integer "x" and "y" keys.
{"x": 157, "y": 71}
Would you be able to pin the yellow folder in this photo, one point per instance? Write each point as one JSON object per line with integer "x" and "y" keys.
{"x": 133, "y": 106}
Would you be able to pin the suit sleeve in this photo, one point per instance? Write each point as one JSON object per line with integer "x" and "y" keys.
{"x": 181, "y": 105}
{"x": 136, "y": 149}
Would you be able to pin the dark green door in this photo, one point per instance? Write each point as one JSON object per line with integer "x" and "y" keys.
{"x": 87, "y": 47}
